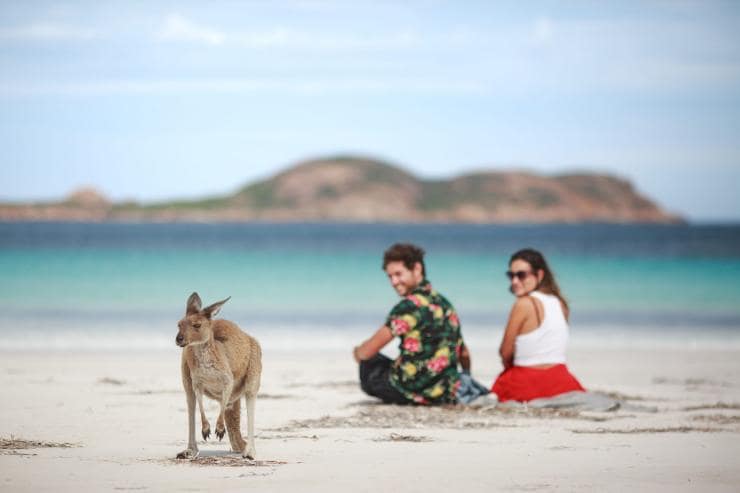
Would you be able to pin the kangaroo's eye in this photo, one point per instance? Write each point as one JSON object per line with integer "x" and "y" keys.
{"x": 197, "y": 326}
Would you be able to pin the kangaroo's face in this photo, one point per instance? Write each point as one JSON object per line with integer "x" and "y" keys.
{"x": 195, "y": 327}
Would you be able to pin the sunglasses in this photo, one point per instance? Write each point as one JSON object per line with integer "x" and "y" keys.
{"x": 520, "y": 274}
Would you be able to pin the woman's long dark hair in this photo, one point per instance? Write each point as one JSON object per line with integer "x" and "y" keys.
{"x": 538, "y": 262}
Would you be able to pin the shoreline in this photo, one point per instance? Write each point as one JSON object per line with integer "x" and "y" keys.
{"x": 93, "y": 339}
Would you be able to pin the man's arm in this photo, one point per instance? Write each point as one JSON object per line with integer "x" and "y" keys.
{"x": 372, "y": 346}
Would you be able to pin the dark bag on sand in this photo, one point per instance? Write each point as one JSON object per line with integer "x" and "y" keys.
{"x": 469, "y": 389}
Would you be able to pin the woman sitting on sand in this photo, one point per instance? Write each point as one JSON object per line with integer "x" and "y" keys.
{"x": 533, "y": 346}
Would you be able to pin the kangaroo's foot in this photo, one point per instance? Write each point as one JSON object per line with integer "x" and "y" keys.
{"x": 238, "y": 448}
{"x": 249, "y": 452}
{"x": 189, "y": 453}
{"x": 220, "y": 428}
{"x": 206, "y": 430}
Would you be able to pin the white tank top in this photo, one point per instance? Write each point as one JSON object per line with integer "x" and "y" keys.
{"x": 545, "y": 344}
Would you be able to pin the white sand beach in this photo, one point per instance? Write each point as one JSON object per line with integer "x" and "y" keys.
{"x": 115, "y": 421}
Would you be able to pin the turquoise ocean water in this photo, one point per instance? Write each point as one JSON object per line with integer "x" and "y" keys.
{"x": 118, "y": 286}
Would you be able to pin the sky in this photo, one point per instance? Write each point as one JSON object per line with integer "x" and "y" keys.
{"x": 155, "y": 100}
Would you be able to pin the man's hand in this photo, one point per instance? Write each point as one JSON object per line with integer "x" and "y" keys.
{"x": 465, "y": 358}
{"x": 372, "y": 346}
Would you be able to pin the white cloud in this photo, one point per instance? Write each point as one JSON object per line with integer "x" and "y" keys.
{"x": 284, "y": 37}
{"x": 44, "y": 31}
{"x": 178, "y": 28}
{"x": 248, "y": 85}
{"x": 613, "y": 55}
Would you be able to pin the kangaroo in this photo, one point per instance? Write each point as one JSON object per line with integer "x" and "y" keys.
{"x": 224, "y": 363}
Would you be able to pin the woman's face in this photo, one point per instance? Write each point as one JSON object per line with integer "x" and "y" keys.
{"x": 523, "y": 279}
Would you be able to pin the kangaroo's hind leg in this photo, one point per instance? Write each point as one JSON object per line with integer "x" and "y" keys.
{"x": 233, "y": 421}
{"x": 250, "y": 451}
{"x": 192, "y": 451}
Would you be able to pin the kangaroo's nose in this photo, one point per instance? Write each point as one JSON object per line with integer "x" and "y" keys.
{"x": 179, "y": 339}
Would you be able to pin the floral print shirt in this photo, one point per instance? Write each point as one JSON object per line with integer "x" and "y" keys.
{"x": 430, "y": 344}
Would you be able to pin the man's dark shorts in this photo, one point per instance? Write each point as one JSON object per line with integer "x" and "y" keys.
{"x": 375, "y": 375}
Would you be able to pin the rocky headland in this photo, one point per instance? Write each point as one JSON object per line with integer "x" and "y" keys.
{"x": 355, "y": 189}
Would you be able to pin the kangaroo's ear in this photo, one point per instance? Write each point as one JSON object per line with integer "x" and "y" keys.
{"x": 193, "y": 305}
{"x": 212, "y": 310}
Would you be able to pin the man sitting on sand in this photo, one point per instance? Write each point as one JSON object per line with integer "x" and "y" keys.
{"x": 430, "y": 342}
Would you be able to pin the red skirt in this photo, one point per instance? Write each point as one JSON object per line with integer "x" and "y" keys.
{"x": 523, "y": 384}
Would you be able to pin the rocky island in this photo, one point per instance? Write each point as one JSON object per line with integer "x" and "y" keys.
{"x": 356, "y": 189}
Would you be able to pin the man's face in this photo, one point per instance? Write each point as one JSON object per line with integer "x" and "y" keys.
{"x": 402, "y": 279}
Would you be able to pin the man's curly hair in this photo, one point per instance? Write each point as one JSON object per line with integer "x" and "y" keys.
{"x": 407, "y": 253}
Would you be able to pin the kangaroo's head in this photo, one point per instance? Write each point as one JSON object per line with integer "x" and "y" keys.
{"x": 195, "y": 326}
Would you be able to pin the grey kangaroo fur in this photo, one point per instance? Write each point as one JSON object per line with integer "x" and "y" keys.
{"x": 224, "y": 363}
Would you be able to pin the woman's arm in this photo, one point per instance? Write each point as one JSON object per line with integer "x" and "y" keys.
{"x": 372, "y": 346}
{"x": 521, "y": 310}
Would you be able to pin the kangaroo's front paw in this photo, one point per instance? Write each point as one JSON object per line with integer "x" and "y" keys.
{"x": 220, "y": 431}
{"x": 249, "y": 452}
{"x": 206, "y": 430}
{"x": 188, "y": 454}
